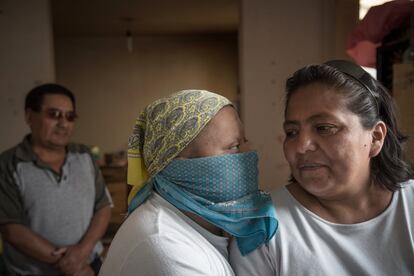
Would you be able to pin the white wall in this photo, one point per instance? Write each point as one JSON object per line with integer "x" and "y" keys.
{"x": 112, "y": 85}
{"x": 26, "y": 60}
{"x": 277, "y": 38}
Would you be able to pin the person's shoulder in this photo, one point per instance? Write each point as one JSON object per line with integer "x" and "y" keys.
{"x": 145, "y": 219}
{"x": 281, "y": 196}
{"x": 409, "y": 182}
{"x": 157, "y": 255}
{"x": 9, "y": 153}
{"x": 407, "y": 186}
{"x": 82, "y": 153}
{"x": 161, "y": 244}
{"x": 286, "y": 204}
{"x": 152, "y": 218}
{"x": 133, "y": 235}
{"x": 8, "y": 157}
{"x": 159, "y": 217}
{"x": 182, "y": 252}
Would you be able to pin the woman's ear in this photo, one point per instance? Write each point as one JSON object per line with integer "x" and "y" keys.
{"x": 379, "y": 131}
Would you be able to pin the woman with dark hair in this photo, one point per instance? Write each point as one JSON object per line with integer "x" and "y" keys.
{"x": 349, "y": 206}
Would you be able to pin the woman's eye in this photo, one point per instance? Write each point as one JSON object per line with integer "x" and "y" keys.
{"x": 326, "y": 129}
{"x": 290, "y": 133}
{"x": 235, "y": 147}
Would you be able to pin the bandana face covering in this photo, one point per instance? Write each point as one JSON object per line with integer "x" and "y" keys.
{"x": 224, "y": 191}
{"x": 215, "y": 178}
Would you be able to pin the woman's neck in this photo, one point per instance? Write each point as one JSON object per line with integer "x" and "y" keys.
{"x": 205, "y": 224}
{"x": 347, "y": 209}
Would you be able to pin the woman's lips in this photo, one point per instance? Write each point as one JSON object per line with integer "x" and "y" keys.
{"x": 310, "y": 166}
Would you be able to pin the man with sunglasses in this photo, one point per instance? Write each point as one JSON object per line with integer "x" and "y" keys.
{"x": 54, "y": 207}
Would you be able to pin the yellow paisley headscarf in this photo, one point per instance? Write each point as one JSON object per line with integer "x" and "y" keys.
{"x": 164, "y": 129}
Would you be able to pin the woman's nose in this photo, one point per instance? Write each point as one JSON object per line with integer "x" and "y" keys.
{"x": 305, "y": 142}
{"x": 246, "y": 146}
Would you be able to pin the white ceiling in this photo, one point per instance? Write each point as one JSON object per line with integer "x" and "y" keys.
{"x": 109, "y": 17}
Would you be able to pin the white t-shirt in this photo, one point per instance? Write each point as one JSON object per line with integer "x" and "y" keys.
{"x": 158, "y": 239}
{"x": 306, "y": 244}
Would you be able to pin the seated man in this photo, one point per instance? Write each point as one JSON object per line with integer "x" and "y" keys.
{"x": 54, "y": 207}
{"x": 194, "y": 184}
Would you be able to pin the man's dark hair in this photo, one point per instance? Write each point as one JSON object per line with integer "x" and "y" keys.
{"x": 34, "y": 99}
{"x": 371, "y": 102}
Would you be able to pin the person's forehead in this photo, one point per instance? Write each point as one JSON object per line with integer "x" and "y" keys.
{"x": 225, "y": 125}
{"x": 311, "y": 103}
{"x": 57, "y": 101}
{"x": 227, "y": 115}
{"x": 316, "y": 96}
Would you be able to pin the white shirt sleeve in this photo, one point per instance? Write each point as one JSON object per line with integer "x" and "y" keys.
{"x": 256, "y": 263}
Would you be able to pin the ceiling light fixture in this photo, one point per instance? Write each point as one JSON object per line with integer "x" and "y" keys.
{"x": 130, "y": 42}
{"x": 128, "y": 34}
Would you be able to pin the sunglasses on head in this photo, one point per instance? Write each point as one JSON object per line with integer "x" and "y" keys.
{"x": 56, "y": 114}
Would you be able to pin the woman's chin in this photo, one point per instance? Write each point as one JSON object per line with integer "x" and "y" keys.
{"x": 317, "y": 186}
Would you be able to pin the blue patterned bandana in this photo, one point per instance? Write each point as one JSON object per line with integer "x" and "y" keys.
{"x": 215, "y": 178}
{"x": 224, "y": 191}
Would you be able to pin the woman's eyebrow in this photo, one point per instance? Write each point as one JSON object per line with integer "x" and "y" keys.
{"x": 311, "y": 119}
{"x": 290, "y": 122}
{"x": 320, "y": 116}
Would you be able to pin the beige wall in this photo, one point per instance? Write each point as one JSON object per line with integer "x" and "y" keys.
{"x": 26, "y": 60}
{"x": 112, "y": 86}
{"x": 277, "y": 38}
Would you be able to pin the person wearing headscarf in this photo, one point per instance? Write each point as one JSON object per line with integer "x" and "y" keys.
{"x": 194, "y": 184}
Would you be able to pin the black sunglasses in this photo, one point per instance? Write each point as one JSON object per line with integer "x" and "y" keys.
{"x": 56, "y": 114}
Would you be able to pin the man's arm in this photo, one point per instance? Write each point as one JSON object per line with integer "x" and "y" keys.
{"x": 76, "y": 256}
{"x": 29, "y": 243}
{"x": 97, "y": 228}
